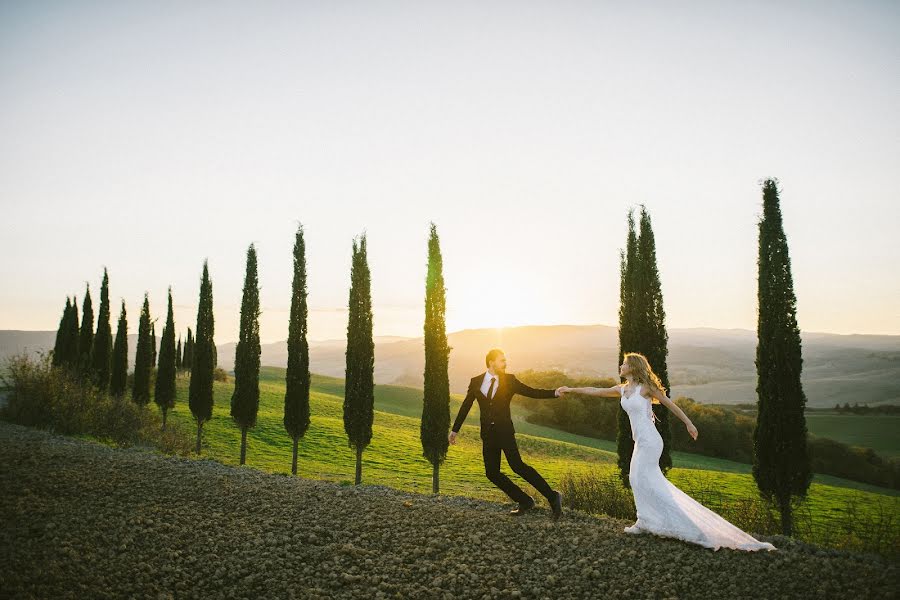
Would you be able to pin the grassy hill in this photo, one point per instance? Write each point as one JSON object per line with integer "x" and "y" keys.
{"x": 394, "y": 458}
{"x": 881, "y": 433}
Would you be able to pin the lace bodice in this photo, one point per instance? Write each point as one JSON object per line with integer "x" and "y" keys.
{"x": 639, "y": 409}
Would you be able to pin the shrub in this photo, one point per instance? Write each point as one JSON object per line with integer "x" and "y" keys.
{"x": 598, "y": 492}
{"x": 59, "y": 400}
{"x": 853, "y": 462}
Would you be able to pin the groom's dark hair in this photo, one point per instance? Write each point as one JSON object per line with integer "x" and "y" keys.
{"x": 491, "y": 355}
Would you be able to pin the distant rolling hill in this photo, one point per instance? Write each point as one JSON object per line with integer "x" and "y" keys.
{"x": 707, "y": 364}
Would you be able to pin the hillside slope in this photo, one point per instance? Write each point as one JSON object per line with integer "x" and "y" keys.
{"x": 84, "y": 520}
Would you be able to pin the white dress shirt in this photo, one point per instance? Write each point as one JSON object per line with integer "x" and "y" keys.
{"x": 486, "y": 383}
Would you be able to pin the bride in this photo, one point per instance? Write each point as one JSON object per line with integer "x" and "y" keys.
{"x": 662, "y": 508}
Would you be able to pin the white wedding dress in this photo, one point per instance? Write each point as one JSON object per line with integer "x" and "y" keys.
{"x": 662, "y": 508}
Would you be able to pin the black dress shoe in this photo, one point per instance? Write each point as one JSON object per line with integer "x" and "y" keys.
{"x": 556, "y": 505}
{"x": 522, "y": 508}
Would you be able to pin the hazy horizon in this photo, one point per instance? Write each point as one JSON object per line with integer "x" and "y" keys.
{"x": 147, "y": 139}
{"x": 382, "y": 338}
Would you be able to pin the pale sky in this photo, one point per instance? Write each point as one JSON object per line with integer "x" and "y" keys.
{"x": 149, "y": 136}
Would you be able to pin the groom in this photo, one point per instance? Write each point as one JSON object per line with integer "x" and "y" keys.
{"x": 494, "y": 389}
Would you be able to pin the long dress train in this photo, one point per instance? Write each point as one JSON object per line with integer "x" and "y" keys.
{"x": 662, "y": 508}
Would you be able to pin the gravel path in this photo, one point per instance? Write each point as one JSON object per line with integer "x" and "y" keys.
{"x": 80, "y": 520}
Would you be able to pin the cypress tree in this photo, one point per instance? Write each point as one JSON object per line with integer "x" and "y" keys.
{"x": 200, "y": 397}
{"x": 627, "y": 265}
{"x": 143, "y": 357}
{"x": 86, "y": 335}
{"x": 642, "y": 329}
{"x": 178, "y": 353}
{"x": 61, "y": 333}
{"x": 296, "y": 395}
{"x": 101, "y": 353}
{"x": 119, "y": 379}
{"x": 654, "y": 340}
{"x": 164, "y": 390}
{"x": 245, "y": 398}
{"x": 436, "y": 394}
{"x": 781, "y": 465}
{"x": 359, "y": 385}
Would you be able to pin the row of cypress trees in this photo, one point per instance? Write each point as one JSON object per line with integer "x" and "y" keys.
{"x": 77, "y": 346}
{"x": 359, "y": 392}
{"x": 103, "y": 361}
{"x": 781, "y": 465}
{"x": 198, "y": 354}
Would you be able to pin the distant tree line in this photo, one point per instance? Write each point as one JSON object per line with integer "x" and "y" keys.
{"x": 865, "y": 409}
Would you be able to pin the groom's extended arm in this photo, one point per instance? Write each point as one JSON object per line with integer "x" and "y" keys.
{"x": 520, "y": 388}
{"x": 464, "y": 409}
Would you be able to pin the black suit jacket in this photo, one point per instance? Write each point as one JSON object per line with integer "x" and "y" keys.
{"x": 496, "y": 422}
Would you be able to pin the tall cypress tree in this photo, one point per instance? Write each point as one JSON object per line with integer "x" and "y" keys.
{"x": 359, "y": 385}
{"x": 178, "y": 353}
{"x": 101, "y": 353}
{"x": 781, "y": 465}
{"x": 200, "y": 396}
{"x": 627, "y": 341}
{"x": 61, "y": 335}
{"x": 118, "y": 382}
{"x": 86, "y": 335}
{"x": 245, "y": 398}
{"x": 654, "y": 340}
{"x": 143, "y": 357}
{"x": 642, "y": 329}
{"x": 164, "y": 390}
{"x": 296, "y": 395}
{"x": 436, "y": 394}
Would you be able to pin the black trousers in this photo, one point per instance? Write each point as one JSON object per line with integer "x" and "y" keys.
{"x": 491, "y": 454}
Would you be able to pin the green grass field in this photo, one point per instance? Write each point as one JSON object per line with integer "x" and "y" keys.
{"x": 408, "y": 402}
{"x": 878, "y": 432}
{"x": 394, "y": 457}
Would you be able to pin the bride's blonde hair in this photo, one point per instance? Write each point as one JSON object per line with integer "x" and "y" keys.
{"x": 642, "y": 373}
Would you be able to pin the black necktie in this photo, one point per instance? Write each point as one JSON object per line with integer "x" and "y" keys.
{"x": 491, "y": 388}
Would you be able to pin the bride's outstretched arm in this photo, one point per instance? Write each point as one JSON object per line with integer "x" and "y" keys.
{"x": 665, "y": 400}
{"x": 608, "y": 392}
